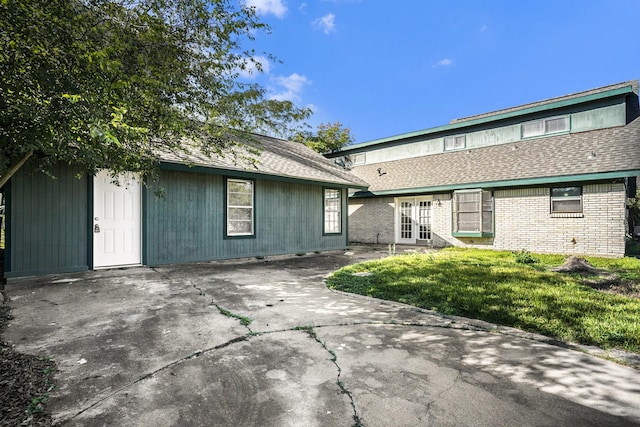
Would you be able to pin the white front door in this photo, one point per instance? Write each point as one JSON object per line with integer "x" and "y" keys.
{"x": 413, "y": 219}
{"x": 117, "y": 220}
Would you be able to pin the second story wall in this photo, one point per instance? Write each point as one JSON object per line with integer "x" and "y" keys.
{"x": 504, "y": 132}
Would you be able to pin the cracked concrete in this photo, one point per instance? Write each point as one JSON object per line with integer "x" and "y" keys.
{"x": 166, "y": 346}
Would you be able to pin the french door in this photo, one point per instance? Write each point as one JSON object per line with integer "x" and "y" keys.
{"x": 413, "y": 219}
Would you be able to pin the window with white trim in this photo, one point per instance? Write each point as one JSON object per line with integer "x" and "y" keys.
{"x": 473, "y": 212}
{"x": 566, "y": 200}
{"x": 358, "y": 159}
{"x": 240, "y": 213}
{"x": 332, "y": 211}
{"x": 545, "y": 126}
{"x": 454, "y": 142}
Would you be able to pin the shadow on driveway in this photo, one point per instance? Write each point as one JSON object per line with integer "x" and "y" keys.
{"x": 264, "y": 342}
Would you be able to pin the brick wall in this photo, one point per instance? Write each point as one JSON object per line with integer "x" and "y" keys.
{"x": 371, "y": 220}
{"x": 522, "y": 221}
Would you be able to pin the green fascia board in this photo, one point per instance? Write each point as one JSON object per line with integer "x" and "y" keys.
{"x": 501, "y": 184}
{"x": 241, "y": 173}
{"x": 482, "y": 120}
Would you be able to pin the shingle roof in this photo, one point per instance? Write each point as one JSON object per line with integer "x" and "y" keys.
{"x": 276, "y": 157}
{"x": 616, "y": 149}
{"x": 632, "y": 83}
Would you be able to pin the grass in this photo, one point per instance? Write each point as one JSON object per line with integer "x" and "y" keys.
{"x": 492, "y": 286}
{"x": 244, "y": 320}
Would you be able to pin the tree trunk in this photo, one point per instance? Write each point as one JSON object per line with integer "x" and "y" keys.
{"x": 13, "y": 169}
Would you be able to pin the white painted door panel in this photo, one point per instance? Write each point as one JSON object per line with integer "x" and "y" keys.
{"x": 116, "y": 220}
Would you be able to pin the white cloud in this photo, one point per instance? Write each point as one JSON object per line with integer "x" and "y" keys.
{"x": 326, "y": 23}
{"x": 291, "y": 87}
{"x": 265, "y": 7}
{"x": 443, "y": 63}
{"x": 251, "y": 70}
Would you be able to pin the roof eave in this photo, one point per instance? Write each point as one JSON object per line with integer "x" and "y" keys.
{"x": 502, "y": 184}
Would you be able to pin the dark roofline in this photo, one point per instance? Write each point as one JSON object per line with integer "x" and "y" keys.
{"x": 582, "y": 94}
{"x": 501, "y": 184}
{"x": 609, "y": 91}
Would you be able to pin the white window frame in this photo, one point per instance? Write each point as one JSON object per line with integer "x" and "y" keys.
{"x": 229, "y": 207}
{"x": 358, "y": 159}
{"x": 565, "y": 198}
{"x": 332, "y": 212}
{"x": 484, "y": 212}
{"x": 455, "y": 142}
{"x": 543, "y": 125}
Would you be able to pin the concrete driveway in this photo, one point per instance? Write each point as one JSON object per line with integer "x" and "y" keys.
{"x": 167, "y": 347}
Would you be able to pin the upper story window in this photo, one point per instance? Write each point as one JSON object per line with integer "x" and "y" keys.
{"x": 545, "y": 126}
{"x": 454, "y": 142}
{"x": 358, "y": 159}
{"x": 240, "y": 202}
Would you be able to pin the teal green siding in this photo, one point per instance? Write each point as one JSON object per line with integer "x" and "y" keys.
{"x": 47, "y": 223}
{"x": 49, "y": 219}
{"x": 599, "y": 118}
{"x": 187, "y": 223}
{"x": 600, "y": 115}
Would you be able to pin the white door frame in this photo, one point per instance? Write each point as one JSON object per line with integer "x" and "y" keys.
{"x": 408, "y": 217}
{"x": 117, "y": 220}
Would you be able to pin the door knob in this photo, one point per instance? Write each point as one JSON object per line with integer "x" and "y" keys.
{"x": 96, "y": 228}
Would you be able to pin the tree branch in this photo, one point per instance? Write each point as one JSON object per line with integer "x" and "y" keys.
{"x": 13, "y": 169}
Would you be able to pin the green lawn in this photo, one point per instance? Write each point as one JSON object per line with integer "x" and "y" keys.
{"x": 492, "y": 286}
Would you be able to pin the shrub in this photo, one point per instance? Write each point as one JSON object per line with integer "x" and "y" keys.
{"x": 524, "y": 257}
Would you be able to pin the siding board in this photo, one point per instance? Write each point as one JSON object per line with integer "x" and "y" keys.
{"x": 187, "y": 225}
{"x": 48, "y": 223}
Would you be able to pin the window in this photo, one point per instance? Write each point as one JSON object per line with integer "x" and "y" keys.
{"x": 566, "y": 200}
{"x": 454, "y": 142}
{"x": 332, "y": 211}
{"x": 358, "y": 159}
{"x": 424, "y": 219}
{"x": 240, "y": 200}
{"x": 406, "y": 220}
{"x": 545, "y": 126}
{"x": 472, "y": 213}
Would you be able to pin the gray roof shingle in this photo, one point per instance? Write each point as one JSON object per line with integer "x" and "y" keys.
{"x": 276, "y": 157}
{"x": 616, "y": 149}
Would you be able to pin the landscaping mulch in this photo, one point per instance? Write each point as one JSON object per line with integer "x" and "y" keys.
{"x": 25, "y": 381}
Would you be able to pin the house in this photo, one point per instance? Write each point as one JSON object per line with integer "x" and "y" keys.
{"x": 287, "y": 199}
{"x": 550, "y": 176}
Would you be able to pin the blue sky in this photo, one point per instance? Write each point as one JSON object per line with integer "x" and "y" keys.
{"x": 384, "y": 67}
